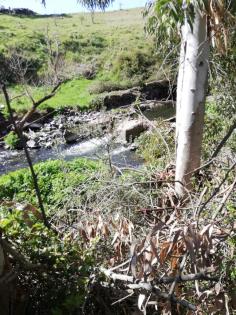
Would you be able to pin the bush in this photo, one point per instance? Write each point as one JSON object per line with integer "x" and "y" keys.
{"x": 67, "y": 266}
{"x": 12, "y": 140}
{"x": 133, "y": 63}
{"x": 97, "y": 103}
{"x": 153, "y": 148}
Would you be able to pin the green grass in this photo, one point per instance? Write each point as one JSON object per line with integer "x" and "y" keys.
{"x": 102, "y": 44}
{"x": 72, "y": 93}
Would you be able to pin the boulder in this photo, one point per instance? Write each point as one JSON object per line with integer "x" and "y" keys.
{"x": 71, "y": 137}
{"x": 33, "y": 126}
{"x": 129, "y": 130}
{"x": 117, "y": 99}
{"x": 158, "y": 90}
{"x": 32, "y": 144}
{"x": 155, "y": 109}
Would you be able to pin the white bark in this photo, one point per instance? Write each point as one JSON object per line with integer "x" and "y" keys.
{"x": 191, "y": 93}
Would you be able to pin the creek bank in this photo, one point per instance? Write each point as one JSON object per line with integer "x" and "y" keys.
{"x": 155, "y": 91}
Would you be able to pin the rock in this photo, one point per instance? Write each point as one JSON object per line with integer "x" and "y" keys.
{"x": 155, "y": 109}
{"x": 71, "y": 137}
{"x": 33, "y": 126}
{"x": 128, "y": 130}
{"x": 32, "y": 144}
{"x": 120, "y": 98}
{"x": 158, "y": 90}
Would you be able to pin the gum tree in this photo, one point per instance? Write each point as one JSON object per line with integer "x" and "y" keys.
{"x": 200, "y": 23}
{"x": 92, "y": 4}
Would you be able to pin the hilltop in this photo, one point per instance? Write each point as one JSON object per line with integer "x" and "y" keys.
{"x": 111, "y": 51}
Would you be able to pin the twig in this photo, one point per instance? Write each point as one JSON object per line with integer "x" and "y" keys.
{"x": 215, "y": 191}
{"x": 122, "y": 299}
{"x": 223, "y": 201}
{"x": 224, "y": 140}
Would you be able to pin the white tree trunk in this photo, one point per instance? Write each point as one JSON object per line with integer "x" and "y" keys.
{"x": 191, "y": 93}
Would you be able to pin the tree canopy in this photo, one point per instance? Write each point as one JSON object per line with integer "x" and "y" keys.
{"x": 92, "y": 4}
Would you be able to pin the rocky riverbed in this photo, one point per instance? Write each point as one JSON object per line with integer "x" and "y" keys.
{"x": 71, "y": 133}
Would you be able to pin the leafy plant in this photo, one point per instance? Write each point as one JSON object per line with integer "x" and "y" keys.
{"x": 12, "y": 140}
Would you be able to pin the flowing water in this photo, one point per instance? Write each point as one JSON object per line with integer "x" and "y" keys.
{"x": 97, "y": 148}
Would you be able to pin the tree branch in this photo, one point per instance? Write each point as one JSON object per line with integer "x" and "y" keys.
{"x": 164, "y": 280}
{"x": 8, "y": 248}
{"x": 37, "y": 103}
{"x": 34, "y": 176}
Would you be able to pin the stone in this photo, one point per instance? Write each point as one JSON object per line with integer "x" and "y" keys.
{"x": 120, "y": 98}
{"x": 158, "y": 90}
{"x": 33, "y": 126}
{"x": 155, "y": 109}
{"x": 129, "y": 130}
{"x": 32, "y": 144}
{"x": 71, "y": 137}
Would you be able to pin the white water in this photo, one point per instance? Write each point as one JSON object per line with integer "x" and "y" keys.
{"x": 97, "y": 148}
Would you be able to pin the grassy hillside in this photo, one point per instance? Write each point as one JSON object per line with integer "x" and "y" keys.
{"x": 115, "y": 47}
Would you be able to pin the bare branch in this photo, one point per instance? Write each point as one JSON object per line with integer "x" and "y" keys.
{"x": 34, "y": 176}
{"x": 37, "y": 103}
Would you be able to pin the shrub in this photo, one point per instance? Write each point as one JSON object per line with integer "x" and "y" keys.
{"x": 97, "y": 103}
{"x": 133, "y": 63}
{"x": 12, "y": 140}
{"x": 153, "y": 146}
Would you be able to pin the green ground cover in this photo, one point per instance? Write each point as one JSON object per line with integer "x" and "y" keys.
{"x": 57, "y": 180}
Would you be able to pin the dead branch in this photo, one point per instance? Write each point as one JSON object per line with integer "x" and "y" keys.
{"x": 170, "y": 297}
{"x": 24, "y": 263}
{"x": 224, "y": 140}
{"x": 36, "y": 104}
{"x": 8, "y": 277}
{"x": 164, "y": 280}
{"x": 34, "y": 176}
{"x": 217, "y": 189}
{"x": 223, "y": 201}
{"x": 217, "y": 150}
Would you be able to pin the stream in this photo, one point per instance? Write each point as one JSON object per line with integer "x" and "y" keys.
{"x": 106, "y": 135}
{"x": 96, "y": 148}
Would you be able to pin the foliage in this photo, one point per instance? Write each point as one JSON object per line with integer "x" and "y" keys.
{"x": 57, "y": 180}
{"x": 66, "y": 266}
{"x": 153, "y": 145}
{"x": 133, "y": 64}
{"x": 93, "y": 4}
{"x": 12, "y": 140}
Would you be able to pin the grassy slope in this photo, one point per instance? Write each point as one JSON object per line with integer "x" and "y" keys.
{"x": 122, "y": 31}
